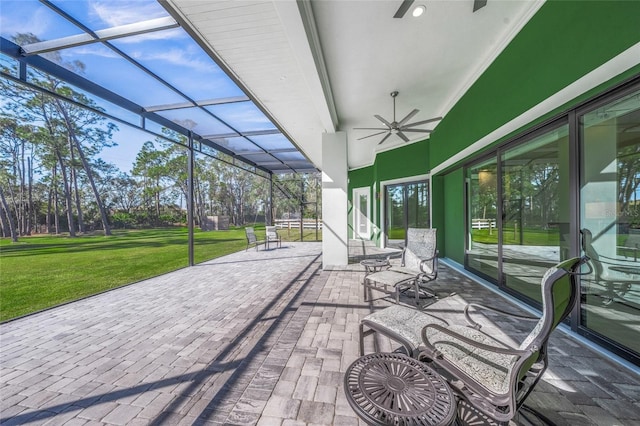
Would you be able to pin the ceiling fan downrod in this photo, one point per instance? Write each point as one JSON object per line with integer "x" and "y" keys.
{"x": 393, "y": 95}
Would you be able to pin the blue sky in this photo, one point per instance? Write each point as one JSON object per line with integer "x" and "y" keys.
{"x": 171, "y": 54}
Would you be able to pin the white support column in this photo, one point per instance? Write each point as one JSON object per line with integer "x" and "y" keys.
{"x": 334, "y": 199}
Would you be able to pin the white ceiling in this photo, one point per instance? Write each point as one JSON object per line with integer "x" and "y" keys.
{"x": 332, "y": 66}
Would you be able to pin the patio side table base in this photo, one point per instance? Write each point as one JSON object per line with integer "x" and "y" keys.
{"x": 394, "y": 389}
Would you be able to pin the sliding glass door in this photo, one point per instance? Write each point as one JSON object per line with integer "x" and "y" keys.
{"x": 518, "y": 211}
{"x": 573, "y": 183}
{"x": 535, "y": 212}
{"x": 406, "y": 206}
{"x": 610, "y": 219}
{"x": 482, "y": 218}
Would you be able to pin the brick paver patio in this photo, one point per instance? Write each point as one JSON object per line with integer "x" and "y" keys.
{"x": 251, "y": 338}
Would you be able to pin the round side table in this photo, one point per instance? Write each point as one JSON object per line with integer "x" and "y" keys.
{"x": 374, "y": 265}
{"x": 394, "y": 389}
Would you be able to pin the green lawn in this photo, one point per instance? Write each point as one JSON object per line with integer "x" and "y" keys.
{"x": 531, "y": 237}
{"x": 43, "y": 271}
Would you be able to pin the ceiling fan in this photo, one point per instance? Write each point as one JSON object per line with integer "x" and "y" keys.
{"x": 397, "y": 127}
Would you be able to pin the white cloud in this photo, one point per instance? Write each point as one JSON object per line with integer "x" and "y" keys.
{"x": 93, "y": 50}
{"x": 38, "y": 23}
{"x": 247, "y": 116}
{"x": 116, "y": 13}
{"x": 182, "y": 57}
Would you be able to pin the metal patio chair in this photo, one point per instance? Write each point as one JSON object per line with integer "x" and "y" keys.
{"x": 489, "y": 374}
{"x": 616, "y": 276}
{"x": 272, "y": 236}
{"x": 418, "y": 266}
{"x": 252, "y": 239}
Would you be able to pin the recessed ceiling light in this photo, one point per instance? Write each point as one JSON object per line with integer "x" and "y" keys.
{"x": 419, "y": 11}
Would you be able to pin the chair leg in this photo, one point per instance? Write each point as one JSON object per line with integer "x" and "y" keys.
{"x": 364, "y": 286}
{"x": 364, "y": 334}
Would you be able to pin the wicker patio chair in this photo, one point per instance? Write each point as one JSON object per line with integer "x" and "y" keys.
{"x": 418, "y": 266}
{"x": 272, "y": 236}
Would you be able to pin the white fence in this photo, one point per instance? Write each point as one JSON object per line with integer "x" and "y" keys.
{"x": 295, "y": 224}
{"x": 483, "y": 223}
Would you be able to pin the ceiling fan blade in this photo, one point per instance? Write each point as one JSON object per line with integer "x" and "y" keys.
{"x": 477, "y": 4}
{"x": 406, "y": 4}
{"x": 371, "y": 128}
{"x": 385, "y": 122}
{"x": 375, "y": 134}
{"x": 418, "y": 123}
{"x": 404, "y": 129}
{"x": 385, "y": 138}
{"x": 411, "y": 114}
{"x": 402, "y": 136}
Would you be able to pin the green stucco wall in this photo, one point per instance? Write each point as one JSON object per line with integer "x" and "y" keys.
{"x": 564, "y": 41}
{"x": 454, "y": 223}
{"x": 408, "y": 160}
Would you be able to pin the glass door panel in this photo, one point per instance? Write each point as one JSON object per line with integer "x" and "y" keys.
{"x": 407, "y": 206}
{"x": 482, "y": 210}
{"x": 535, "y": 224}
{"x": 395, "y": 215}
{"x": 418, "y": 205}
{"x": 610, "y": 215}
{"x": 361, "y": 211}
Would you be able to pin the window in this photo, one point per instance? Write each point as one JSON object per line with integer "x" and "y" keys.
{"x": 535, "y": 212}
{"x": 362, "y": 207}
{"x": 407, "y": 206}
{"x": 482, "y": 212}
{"x": 610, "y": 216}
{"x": 571, "y": 183}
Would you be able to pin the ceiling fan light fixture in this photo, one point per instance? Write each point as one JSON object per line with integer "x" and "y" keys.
{"x": 418, "y": 11}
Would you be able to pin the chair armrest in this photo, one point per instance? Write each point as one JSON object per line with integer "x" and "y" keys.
{"x": 435, "y": 263}
{"x": 397, "y": 255}
{"x": 498, "y": 349}
{"x": 473, "y": 324}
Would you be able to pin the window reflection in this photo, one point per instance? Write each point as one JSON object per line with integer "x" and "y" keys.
{"x": 482, "y": 209}
{"x": 407, "y": 206}
{"x": 535, "y": 228}
{"x": 610, "y": 219}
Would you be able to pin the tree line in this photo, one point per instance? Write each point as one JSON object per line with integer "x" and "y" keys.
{"x": 53, "y": 180}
